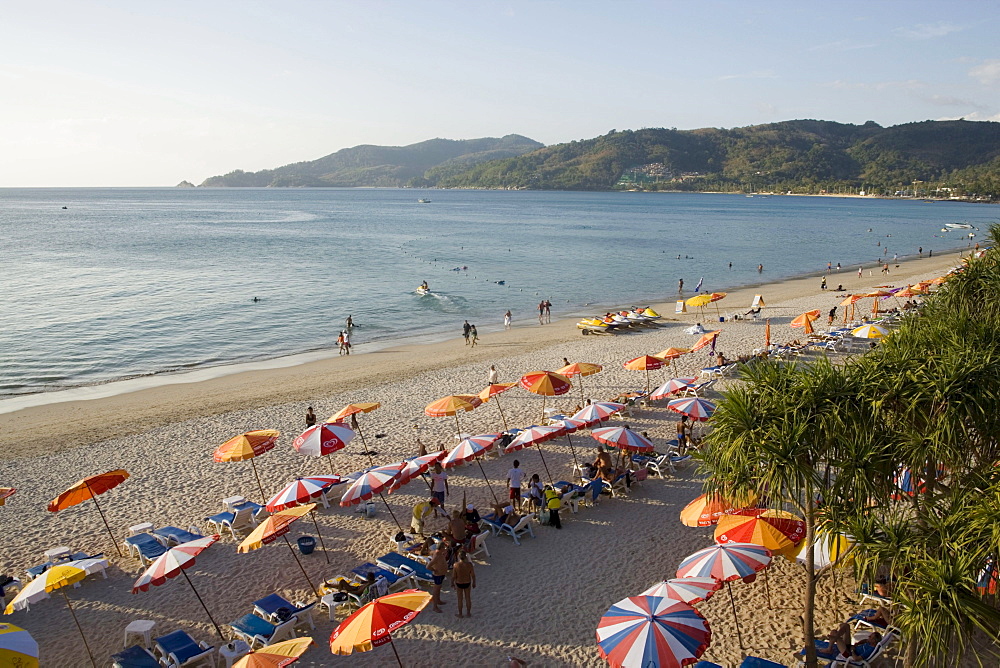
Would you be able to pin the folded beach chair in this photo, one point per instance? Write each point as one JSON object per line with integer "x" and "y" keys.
{"x": 240, "y": 521}
{"x": 145, "y": 547}
{"x": 269, "y": 608}
{"x": 255, "y": 631}
{"x": 401, "y": 565}
{"x": 135, "y": 656}
{"x": 170, "y": 536}
{"x": 179, "y": 649}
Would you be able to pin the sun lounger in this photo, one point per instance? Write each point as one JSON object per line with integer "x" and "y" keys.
{"x": 255, "y": 631}
{"x": 396, "y": 582}
{"x": 179, "y": 649}
{"x": 135, "y": 656}
{"x": 401, "y": 565}
{"x": 757, "y": 662}
{"x": 268, "y": 608}
{"x": 240, "y": 521}
{"x": 171, "y": 536}
{"x": 145, "y": 547}
{"x": 478, "y": 544}
{"x": 522, "y": 527}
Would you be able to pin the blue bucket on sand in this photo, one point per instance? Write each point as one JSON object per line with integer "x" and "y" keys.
{"x": 307, "y": 544}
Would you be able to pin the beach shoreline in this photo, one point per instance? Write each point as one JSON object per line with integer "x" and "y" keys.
{"x": 55, "y": 424}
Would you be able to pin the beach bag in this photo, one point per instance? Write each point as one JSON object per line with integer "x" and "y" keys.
{"x": 543, "y": 516}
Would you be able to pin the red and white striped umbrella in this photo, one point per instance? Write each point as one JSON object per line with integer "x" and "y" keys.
{"x": 569, "y": 425}
{"x": 469, "y": 449}
{"x": 672, "y": 386}
{"x": 414, "y": 467}
{"x": 624, "y": 438}
{"x": 694, "y": 408}
{"x": 174, "y": 561}
{"x": 689, "y": 590}
{"x": 597, "y": 412}
{"x": 533, "y": 436}
{"x": 371, "y": 482}
{"x": 323, "y": 439}
{"x": 301, "y": 490}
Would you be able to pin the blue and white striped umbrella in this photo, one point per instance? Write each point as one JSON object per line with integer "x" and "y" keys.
{"x": 730, "y": 561}
{"x": 648, "y": 631}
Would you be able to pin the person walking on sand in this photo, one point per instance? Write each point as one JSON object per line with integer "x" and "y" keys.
{"x": 514, "y": 478}
{"x": 465, "y": 331}
{"x": 822, "y": 285}
{"x": 492, "y": 376}
{"x": 548, "y": 312}
{"x": 473, "y": 335}
{"x": 463, "y": 579}
{"x": 506, "y": 319}
{"x": 310, "y": 417}
{"x": 859, "y": 271}
{"x": 439, "y": 485}
{"x": 439, "y": 569}
{"x": 347, "y": 342}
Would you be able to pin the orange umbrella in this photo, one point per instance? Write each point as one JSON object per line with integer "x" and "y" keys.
{"x": 89, "y": 488}
{"x": 278, "y": 655}
{"x": 545, "y": 383}
{"x": 706, "y": 510}
{"x": 453, "y": 405}
{"x": 372, "y": 625}
{"x": 777, "y": 530}
{"x": 645, "y": 363}
{"x": 805, "y": 320}
{"x": 911, "y": 291}
{"x": 706, "y": 340}
{"x": 494, "y": 390}
{"x": 274, "y": 527}
{"x": 352, "y": 410}
{"x": 767, "y": 333}
{"x": 716, "y": 296}
{"x": 6, "y": 493}
{"x": 672, "y": 354}
{"x": 247, "y": 446}
{"x": 580, "y": 369}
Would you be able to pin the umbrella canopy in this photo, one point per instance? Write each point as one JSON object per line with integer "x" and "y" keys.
{"x": 247, "y": 445}
{"x": 278, "y": 655}
{"x": 492, "y": 390}
{"x": 415, "y": 466}
{"x": 6, "y": 493}
{"x": 911, "y": 291}
{"x": 597, "y": 412}
{"x": 580, "y": 369}
{"x": 779, "y": 531}
{"x": 644, "y": 363}
{"x": 17, "y": 647}
{"x": 453, "y": 405}
{"x": 321, "y": 440}
{"x": 623, "y": 438}
{"x": 372, "y": 625}
{"x": 716, "y": 296}
{"x": 851, "y": 299}
{"x": 468, "y": 449}
{"x": 534, "y": 436}
{"x": 642, "y": 631}
{"x": 273, "y": 527}
{"x": 301, "y": 490}
{"x": 672, "y": 353}
{"x": 706, "y": 510}
{"x": 730, "y": 561}
{"x": 694, "y": 407}
{"x": 830, "y": 548}
{"x": 372, "y": 482}
{"x": 699, "y": 300}
{"x": 353, "y": 409}
{"x": 672, "y": 386}
{"x": 89, "y": 488}
{"x": 688, "y": 590}
{"x": 869, "y": 332}
{"x": 545, "y": 383}
{"x": 569, "y": 425}
{"x": 805, "y": 320}
{"x": 707, "y": 339}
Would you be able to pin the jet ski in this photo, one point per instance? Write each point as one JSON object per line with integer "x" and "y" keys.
{"x": 421, "y": 290}
{"x": 594, "y": 325}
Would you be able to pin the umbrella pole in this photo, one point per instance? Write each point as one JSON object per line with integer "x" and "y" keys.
{"x": 80, "y": 629}
{"x": 387, "y": 507}
{"x": 732, "y": 600}
{"x": 330, "y": 461}
{"x": 105, "y": 520}
{"x": 573, "y": 450}
{"x": 495, "y": 500}
{"x": 312, "y": 588}
{"x": 458, "y": 429}
{"x": 320, "y": 534}
{"x": 395, "y": 652}
{"x": 580, "y": 383}
{"x": 259, "y": 486}
{"x": 547, "y": 472}
{"x": 357, "y": 428}
{"x": 543, "y": 409}
{"x": 217, "y": 629}
{"x": 502, "y": 416}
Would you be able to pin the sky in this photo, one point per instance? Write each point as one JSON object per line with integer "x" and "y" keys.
{"x": 147, "y": 93}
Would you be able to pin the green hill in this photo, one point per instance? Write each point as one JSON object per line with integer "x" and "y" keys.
{"x": 386, "y": 166}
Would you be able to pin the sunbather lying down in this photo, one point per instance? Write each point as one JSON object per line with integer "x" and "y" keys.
{"x": 839, "y": 641}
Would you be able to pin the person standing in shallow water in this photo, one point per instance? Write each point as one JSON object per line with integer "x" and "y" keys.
{"x": 466, "y": 328}
{"x": 680, "y": 285}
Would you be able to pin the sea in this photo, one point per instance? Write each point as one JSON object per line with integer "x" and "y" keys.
{"x": 101, "y": 285}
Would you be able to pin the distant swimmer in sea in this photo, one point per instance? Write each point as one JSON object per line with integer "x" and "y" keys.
{"x": 255, "y": 299}
{"x": 350, "y": 322}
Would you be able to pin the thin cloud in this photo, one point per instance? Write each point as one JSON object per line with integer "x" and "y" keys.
{"x": 909, "y": 84}
{"x": 843, "y": 45}
{"x": 973, "y": 116}
{"x": 949, "y": 101}
{"x": 987, "y": 72}
{"x": 758, "y": 74}
{"x": 927, "y": 30}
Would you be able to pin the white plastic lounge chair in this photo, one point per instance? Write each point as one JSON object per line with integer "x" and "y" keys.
{"x": 145, "y": 547}
{"x": 178, "y": 649}
{"x": 269, "y": 608}
{"x": 258, "y": 632}
{"x": 889, "y": 638}
{"x": 522, "y": 527}
{"x": 479, "y": 545}
{"x": 170, "y": 536}
{"x": 240, "y": 521}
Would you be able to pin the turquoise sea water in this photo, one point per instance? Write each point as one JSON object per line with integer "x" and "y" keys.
{"x": 133, "y": 282}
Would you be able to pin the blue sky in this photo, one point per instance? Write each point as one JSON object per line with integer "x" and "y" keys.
{"x": 149, "y": 93}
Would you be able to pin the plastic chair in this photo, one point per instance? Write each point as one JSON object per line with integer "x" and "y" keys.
{"x": 178, "y": 649}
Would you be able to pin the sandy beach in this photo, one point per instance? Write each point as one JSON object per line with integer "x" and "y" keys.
{"x": 539, "y": 601}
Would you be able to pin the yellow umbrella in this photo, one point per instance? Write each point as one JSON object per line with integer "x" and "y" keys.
{"x": 274, "y": 527}
{"x": 869, "y": 332}
{"x": 453, "y": 405}
{"x": 352, "y": 411}
{"x": 278, "y": 655}
{"x": 38, "y": 589}
{"x": 580, "y": 369}
{"x": 17, "y": 647}
{"x": 700, "y": 301}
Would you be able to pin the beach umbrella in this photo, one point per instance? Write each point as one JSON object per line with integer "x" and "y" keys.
{"x": 597, "y": 412}
{"x": 986, "y": 583}
{"x": 274, "y": 527}
{"x": 533, "y": 436}
{"x": 17, "y": 647}
{"x": 6, "y": 493}
{"x": 373, "y": 624}
{"x": 623, "y": 438}
{"x": 452, "y": 405}
{"x": 779, "y": 531}
{"x": 580, "y": 369}
{"x": 278, "y": 655}
{"x": 805, "y": 320}
{"x": 415, "y": 466}
{"x": 645, "y": 363}
{"x": 322, "y": 440}
{"x": 247, "y": 446}
{"x": 829, "y": 548}
{"x": 302, "y": 490}
{"x": 706, "y": 510}
{"x": 672, "y": 354}
{"x": 707, "y": 339}
{"x": 904, "y": 480}
{"x": 494, "y": 390}
{"x": 672, "y": 386}
{"x": 57, "y": 577}
{"x": 568, "y": 426}
{"x": 545, "y": 383}
{"x": 727, "y": 562}
{"x": 371, "y": 482}
{"x": 469, "y": 449}
{"x": 694, "y": 407}
{"x": 644, "y": 631}
{"x": 688, "y": 590}
{"x": 869, "y": 332}
{"x": 173, "y": 562}
{"x": 717, "y": 297}
{"x": 352, "y": 411}
{"x": 767, "y": 333}
{"x": 89, "y": 488}
{"x": 700, "y": 301}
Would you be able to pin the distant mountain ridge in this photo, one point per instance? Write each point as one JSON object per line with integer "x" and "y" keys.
{"x": 382, "y": 166}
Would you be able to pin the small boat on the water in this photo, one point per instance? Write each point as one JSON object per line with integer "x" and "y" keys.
{"x": 423, "y": 201}
{"x": 959, "y": 226}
